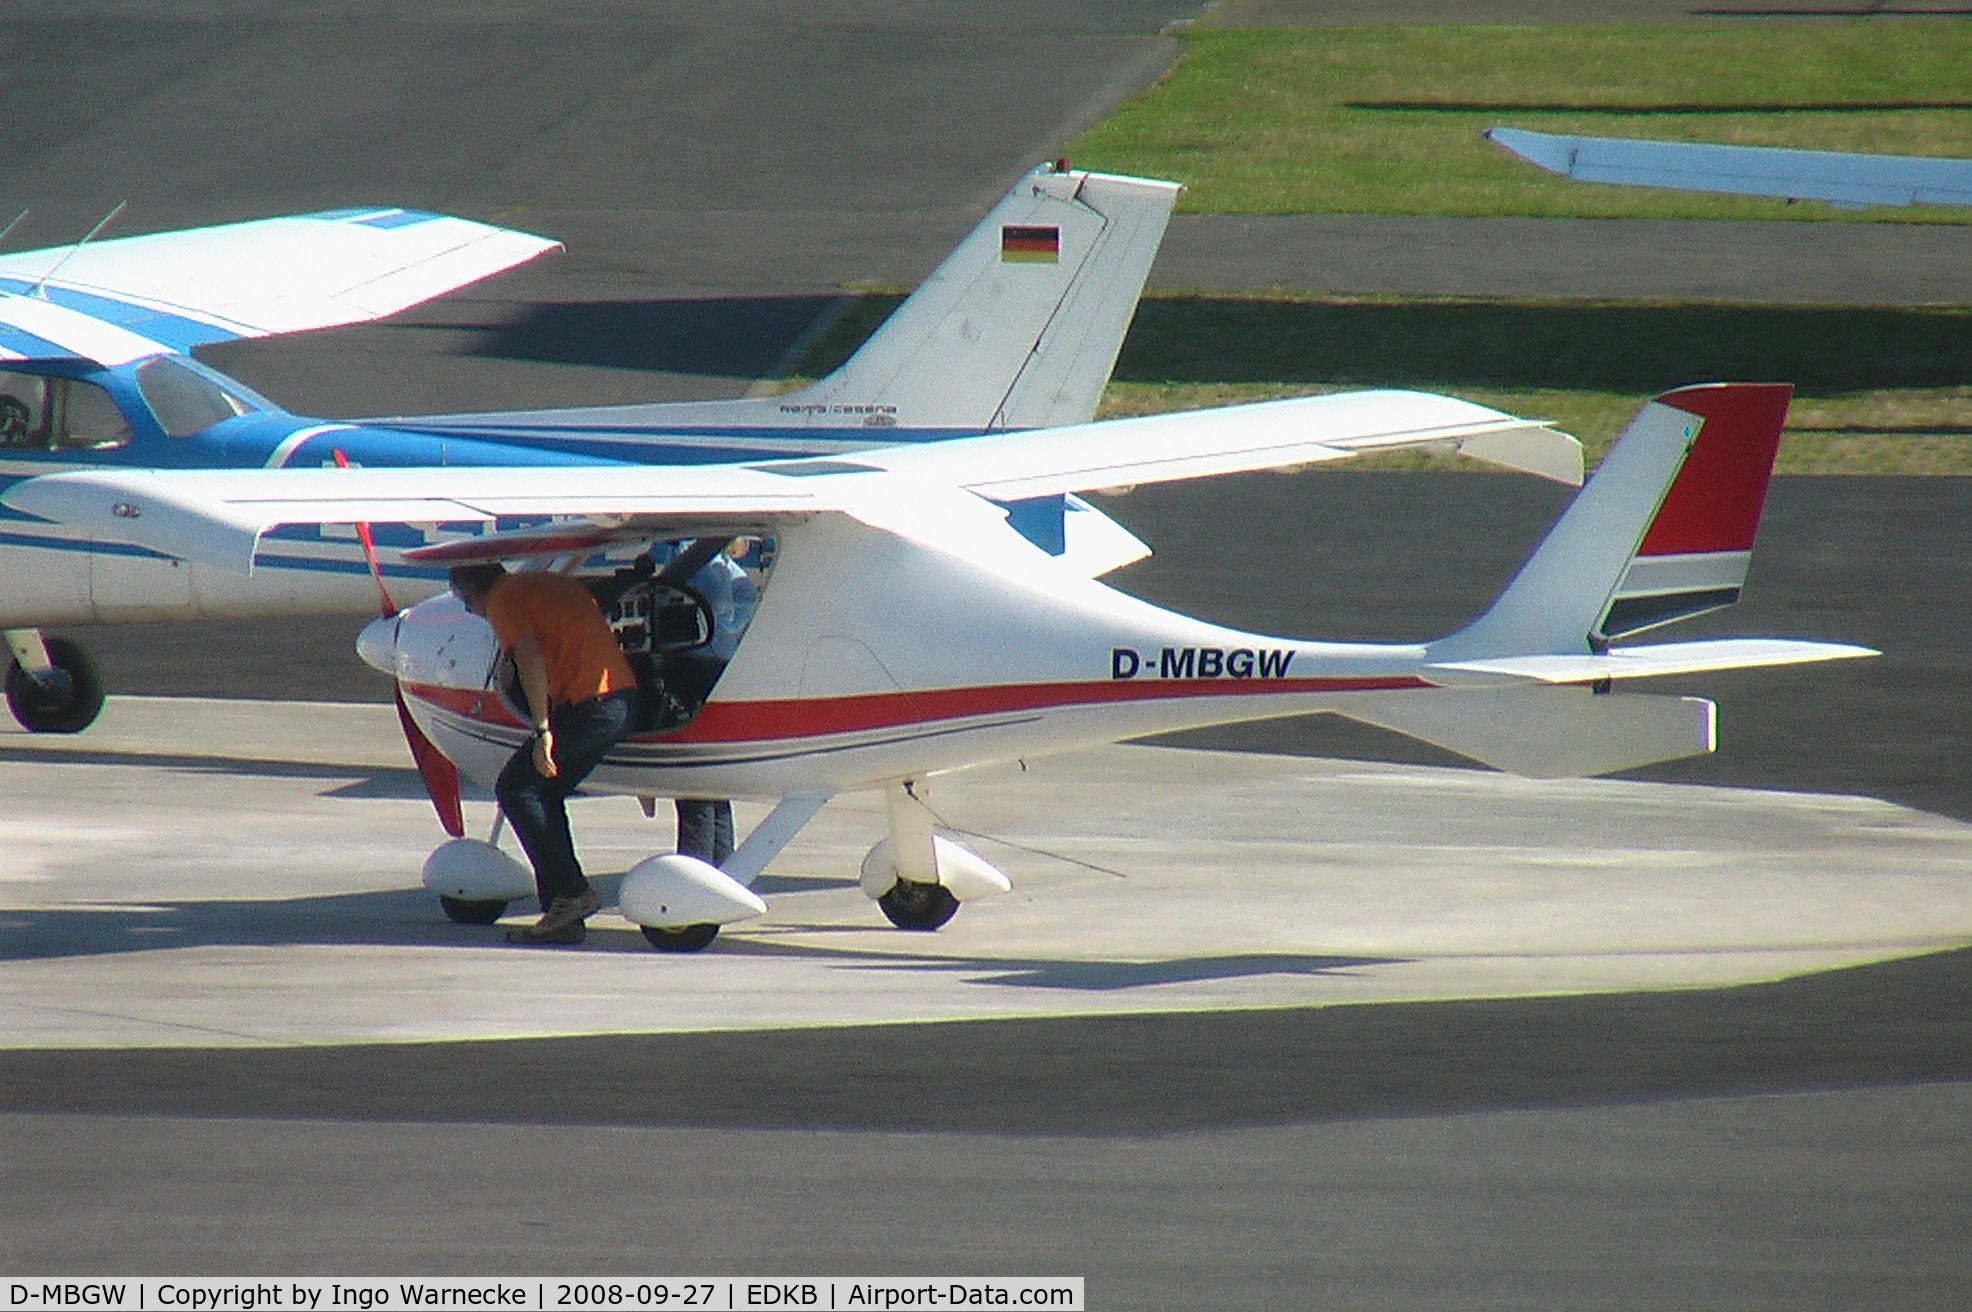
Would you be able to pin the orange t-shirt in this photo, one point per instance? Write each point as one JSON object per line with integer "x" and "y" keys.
{"x": 581, "y": 653}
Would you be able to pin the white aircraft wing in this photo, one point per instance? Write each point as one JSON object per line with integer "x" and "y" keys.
{"x": 217, "y": 516}
{"x": 123, "y": 299}
{"x": 1232, "y": 439}
{"x": 1842, "y": 179}
{"x": 939, "y": 493}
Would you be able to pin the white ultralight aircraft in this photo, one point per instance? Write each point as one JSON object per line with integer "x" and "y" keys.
{"x": 904, "y": 627}
{"x": 1017, "y": 328}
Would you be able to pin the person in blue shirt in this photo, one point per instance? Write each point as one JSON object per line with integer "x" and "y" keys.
{"x": 705, "y": 825}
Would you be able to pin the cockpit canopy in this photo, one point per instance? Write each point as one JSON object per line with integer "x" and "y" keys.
{"x": 185, "y": 400}
{"x": 55, "y": 410}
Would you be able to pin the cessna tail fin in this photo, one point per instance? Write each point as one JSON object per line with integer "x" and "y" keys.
{"x": 1020, "y": 326}
{"x": 1017, "y": 328}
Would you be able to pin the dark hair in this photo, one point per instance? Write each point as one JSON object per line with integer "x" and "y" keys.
{"x": 476, "y": 580}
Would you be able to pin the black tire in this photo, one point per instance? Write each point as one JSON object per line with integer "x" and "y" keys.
{"x": 691, "y": 938}
{"x": 463, "y": 911}
{"x": 915, "y": 906}
{"x": 67, "y": 703}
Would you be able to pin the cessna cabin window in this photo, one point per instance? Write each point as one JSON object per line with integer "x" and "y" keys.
{"x": 46, "y": 413}
{"x": 184, "y": 400}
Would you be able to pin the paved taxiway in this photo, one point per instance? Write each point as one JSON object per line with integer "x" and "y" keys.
{"x": 1631, "y": 1045}
{"x": 219, "y": 873}
{"x": 719, "y": 175}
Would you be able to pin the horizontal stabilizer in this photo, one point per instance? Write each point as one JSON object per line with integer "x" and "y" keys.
{"x": 1642, "y": 662}
{"x": 1548, "y": 733}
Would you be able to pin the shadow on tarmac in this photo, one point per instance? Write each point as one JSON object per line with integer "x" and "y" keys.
{"x": 1887, "y": 1025}
{"x": 1440, "y": 344}
{"x": 741, "y": 338}
{"x": 1627, "y": 347}
{"x": 411, "y": 918}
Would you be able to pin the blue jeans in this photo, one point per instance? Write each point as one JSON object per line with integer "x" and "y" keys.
{"x": 536, "y": 806}
{"x": 705, "y": 830}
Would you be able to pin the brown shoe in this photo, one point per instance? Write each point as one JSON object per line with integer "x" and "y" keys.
{"x": 562, "y": 922}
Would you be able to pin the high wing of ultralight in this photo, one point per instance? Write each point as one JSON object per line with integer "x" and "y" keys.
{"x": 935, "y": 493}
{"x": 126, "y": 298}
{"x": 1843, "y": 179}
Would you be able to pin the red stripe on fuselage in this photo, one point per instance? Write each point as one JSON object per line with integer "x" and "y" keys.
{"x": 821, "y": 717}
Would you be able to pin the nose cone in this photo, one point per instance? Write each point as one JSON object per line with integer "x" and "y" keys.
{"x": 377, "y": 644}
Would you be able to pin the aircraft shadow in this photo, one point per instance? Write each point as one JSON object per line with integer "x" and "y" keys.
{"x": 738, "y": 337}
{"x": 381, "y": 779}
{"x": 411, "y": 918}
{"x": 1078, "y": 975}
{"x": 1232, "y": 338}
{"x": 1791, "y": 109}
{"x": 1628, "y": 347}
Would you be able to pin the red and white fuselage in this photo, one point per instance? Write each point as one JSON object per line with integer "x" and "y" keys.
{"x": 873, "y": 658}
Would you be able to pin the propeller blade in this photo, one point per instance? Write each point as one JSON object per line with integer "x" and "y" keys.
{"x": 369, "y": 542}
{"x": 436, "y": 769}
{"x": 440, "y": 776}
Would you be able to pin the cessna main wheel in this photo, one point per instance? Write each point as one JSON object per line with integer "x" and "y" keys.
{"x": 68, "y": 700}
{"x": 918, "y": 906}
{"x": 690, "y": 938}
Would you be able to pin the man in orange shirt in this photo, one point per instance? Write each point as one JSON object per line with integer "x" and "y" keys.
{"x": 583, "y": 696}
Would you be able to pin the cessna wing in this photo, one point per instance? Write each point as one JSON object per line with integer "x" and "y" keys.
{"x": 124, "y": 299}
{"x": 1845, "y": 180}
{"x": 941, "y": 494}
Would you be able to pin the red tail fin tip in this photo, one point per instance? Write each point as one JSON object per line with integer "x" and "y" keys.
{"x": 1715, "y": 502}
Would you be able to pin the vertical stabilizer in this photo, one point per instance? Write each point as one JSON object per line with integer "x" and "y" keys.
{"x": 1663, "y": 531}
{"x": 1017, "y": 328}
{"x": 1020, "y": 326}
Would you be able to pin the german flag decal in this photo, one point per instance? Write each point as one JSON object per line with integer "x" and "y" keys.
{"x": 1022, "y": 243}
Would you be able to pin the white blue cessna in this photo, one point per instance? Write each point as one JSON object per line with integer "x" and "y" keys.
{"x": 1018, "y": 328}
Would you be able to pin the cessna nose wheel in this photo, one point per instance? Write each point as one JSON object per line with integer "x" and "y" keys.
{"x": 65, "y": 700}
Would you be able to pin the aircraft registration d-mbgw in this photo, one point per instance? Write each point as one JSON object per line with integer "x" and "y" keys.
{"x": 905, "y": 627}
{"x": 1841, "y": 178}
{"x": 1017, "y": 329}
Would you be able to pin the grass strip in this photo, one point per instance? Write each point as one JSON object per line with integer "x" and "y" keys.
{"x": 1386, "y": 120}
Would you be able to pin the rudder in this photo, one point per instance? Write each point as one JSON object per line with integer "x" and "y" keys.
{"x": 1663, "y": 530}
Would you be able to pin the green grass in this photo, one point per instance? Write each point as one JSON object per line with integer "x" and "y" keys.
{"x": 1877, "y": 390}
{"x": 1387, "y": 120}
